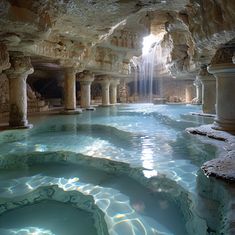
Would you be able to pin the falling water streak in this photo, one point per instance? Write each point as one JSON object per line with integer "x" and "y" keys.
{"x": 145, "y": 70}
{"x": 147, "y": 65}
{"x": 136, "y": 83}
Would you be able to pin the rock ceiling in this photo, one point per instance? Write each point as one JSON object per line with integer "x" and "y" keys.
{"x": 103, "y": 35}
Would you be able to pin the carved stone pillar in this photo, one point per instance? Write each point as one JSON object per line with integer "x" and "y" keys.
{"x": 17, "y": 75}
{"x": 198, "y": 99}
{"x": 70, "y": 89}
{"x": 189, "y": 93}
{"x": 223, "y": 69}
{"x": 113, "y": 91}
{"x": 208, "y": 91}
{"x": 85, "y": 79}
{"x": 104, "y": 80}
{"x": 4, "y": 58}
{"x": 123, "y": 91}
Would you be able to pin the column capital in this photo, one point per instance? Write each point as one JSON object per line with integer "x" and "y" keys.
{"x": 197, "y": 82}
{"x": 103, "y": 79}
{"x": 114, "y": 82}
{"x": 72, "y": 65}
{"x": 4, "y": 58}
{"x": 20, "y": 65}
{"x": 204, "y": 75}
{"x": 71, "y": 70}
{"x": 223, "y": 55}
{"x": 223, "y": 60}
{"x": 86, "y": 77}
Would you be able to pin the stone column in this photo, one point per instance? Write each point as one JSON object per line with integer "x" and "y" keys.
{"x": 104, "y": 80}
{"x": 189, "y": 93}
{"x": 223, "y": 69}
{"x": 113, "y": 91}
{"x": 208, "y": 91}
{"x": 198, "y": 99}
{"x": 85, "y": 79}
{"x": 123, "y": 91}
{"x": 70, "y": 91}
{"x": 17, "y": 75}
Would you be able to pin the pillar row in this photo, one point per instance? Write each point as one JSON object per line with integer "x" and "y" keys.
{"x": 208, "y": 91}
{"x": 85, "y": 79}
{"x": 223, "y": 69}
{"x": 17, "y": 75}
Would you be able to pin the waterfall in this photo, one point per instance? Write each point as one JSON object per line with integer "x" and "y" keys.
{"x": 146, "y": 73}
{"x": 145, "y": 69}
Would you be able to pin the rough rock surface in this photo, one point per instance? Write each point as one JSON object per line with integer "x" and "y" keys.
{"x": 103, "y": 36}
{"x": 224, "y": 166}
{"x": 221, "y": 168}
{"x": 112, "y": 31}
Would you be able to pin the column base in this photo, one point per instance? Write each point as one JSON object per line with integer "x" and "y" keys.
{"x": 224, "y": 125}
{"x": 91, "y": 108}
{"x": 114, "y": 104}
{"x": 28, "y": 126}
{"x": 203, "y": 114}
{"x": 19, "y": 124}
{"x": 196, "y": 101}
{"x": 105, "y": 105}
{"x": 71, "y": 111}
{"x": 209, "y": 112}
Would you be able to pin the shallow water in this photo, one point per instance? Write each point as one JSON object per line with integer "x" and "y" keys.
{"x": 49, "y": 216}
{"x": 148, "y": 136}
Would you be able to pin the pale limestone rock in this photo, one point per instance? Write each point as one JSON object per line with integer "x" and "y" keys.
{"x": 102, "y": 36}
{"x": 221, "y": 168}
{"x": 211, "y": 24}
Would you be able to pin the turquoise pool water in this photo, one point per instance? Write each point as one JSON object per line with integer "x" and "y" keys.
{"x": 149, "y": 139}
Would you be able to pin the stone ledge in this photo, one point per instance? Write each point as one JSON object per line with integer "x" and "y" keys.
{"x": 223, "y": 167}
{"x": 71, "y": 112}
{"x": 6, "y": 127}
{"x": 203, "y": 114}
{"x": 208, "y": 131}
{"x": 60, "y": 193}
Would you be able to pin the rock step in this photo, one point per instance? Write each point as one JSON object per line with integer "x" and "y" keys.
{"x": 120, "y": 216}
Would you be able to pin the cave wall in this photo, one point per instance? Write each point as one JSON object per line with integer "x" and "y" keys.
{"x": 57, "y": 34}
{"x": 4, "y": 93}
{"x": 175, "y": 90}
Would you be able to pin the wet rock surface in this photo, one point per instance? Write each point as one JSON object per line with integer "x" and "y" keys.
{"x": 224, "y": 166}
